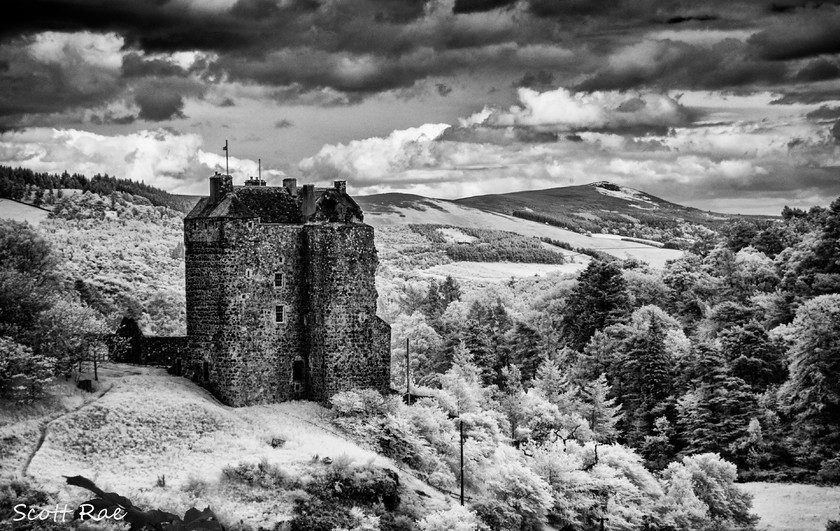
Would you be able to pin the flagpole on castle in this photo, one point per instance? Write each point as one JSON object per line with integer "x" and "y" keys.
{"x": 227, "y": 171}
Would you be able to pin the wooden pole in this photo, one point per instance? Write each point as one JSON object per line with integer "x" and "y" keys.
{"x": 407, "y": 374}
{"x": 461, "y": 429}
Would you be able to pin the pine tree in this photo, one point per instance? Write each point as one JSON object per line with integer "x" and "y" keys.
{"x": 753, "y": 356}
{"x": 512, "y": 398}
{"x": 524, "y": 342}
{"x": 717, "y": 413}
{"x": 599, "y": 300}
{"x": 813, "y": 388}
{"x": 600, "y": 410}
{"x": 647, "y": 379}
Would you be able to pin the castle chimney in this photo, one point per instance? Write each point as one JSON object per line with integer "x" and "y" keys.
{"x": 226, "y": 186}
{"x": 291, "y": 186}
{"x": 341, "y": 186}
{"x": 215, "y": 184}
{"x": 307, "y": 201}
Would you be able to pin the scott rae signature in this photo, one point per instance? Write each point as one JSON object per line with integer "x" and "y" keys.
{"x": 86, "y": 511}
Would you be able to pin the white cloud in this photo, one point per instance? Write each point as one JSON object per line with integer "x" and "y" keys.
{"x": 171, "y": 161}
{"x": 376, "y": 159}
{"x": 492, "y": 151}
{"x": 563, "y": 109}
{"x": 103, "y": 50}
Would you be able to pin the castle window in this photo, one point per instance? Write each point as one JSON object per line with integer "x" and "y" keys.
{"x": 250, "y": 224}
{"x": 282, "y": 259}
{"x": 280, "y": 314}
{"x": 206, "y": 371}
{"x": 248, "y": 273}
{"x": 279, "y": 280}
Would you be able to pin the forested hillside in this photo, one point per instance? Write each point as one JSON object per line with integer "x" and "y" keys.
{"x": 45, "y": 189}
{"x": 625, "y": 396}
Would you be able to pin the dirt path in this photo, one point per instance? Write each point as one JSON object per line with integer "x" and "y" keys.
{"x": 23, "y": 471}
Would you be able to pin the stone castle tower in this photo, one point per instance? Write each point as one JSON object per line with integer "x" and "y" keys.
{"x": 281, "y": 300}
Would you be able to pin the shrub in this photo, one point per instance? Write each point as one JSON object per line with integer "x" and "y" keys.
{"x": 262, "y": 474}
{"x": 361, "y": 402}
{"x": 829, "y": 471}
{"x": 457, "y": 518}
{"x": 713, "y": 485}
{"x": 22, "y": 373}
{"x": 342, "y": 497}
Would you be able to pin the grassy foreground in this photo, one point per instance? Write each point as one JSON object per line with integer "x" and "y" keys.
{"x": 165, "y": 443}
{"x": 793, "y": 507}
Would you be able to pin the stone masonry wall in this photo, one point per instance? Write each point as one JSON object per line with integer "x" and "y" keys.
{"x": 254, "y": 364}
{"x": 342, "y": 299}
{"x": 203, "y": 251}
{"x": 235, "y": 347}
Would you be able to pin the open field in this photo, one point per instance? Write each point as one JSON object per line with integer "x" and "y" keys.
{"x": 793, "y": 507}
{"x": 498, "y": 271}
{"x": 10, "y": 209}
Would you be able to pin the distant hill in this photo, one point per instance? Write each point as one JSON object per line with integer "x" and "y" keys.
{"x": 386, "y": 211}
{"x": 38, "y": 188}
{"x": 594, "y": 205}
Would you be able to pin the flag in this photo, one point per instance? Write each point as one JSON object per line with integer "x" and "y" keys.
{"x": 224, "y": 148}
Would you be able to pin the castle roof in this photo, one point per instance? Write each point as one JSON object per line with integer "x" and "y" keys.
{"x": 277, "y": 204}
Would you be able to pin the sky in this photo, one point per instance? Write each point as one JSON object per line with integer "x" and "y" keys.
{"x": 730, "y": 106}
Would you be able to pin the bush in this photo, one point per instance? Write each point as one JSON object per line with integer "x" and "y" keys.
{"x": 346, "y": 497}
{"x": 262, "y": 474}
{"x": 712, "y": 481}
{"x": 457, "y": 518}
{"x": 358, "y": 403}
{"x": 22, "y": 373}
{"x": 829, "y": 471}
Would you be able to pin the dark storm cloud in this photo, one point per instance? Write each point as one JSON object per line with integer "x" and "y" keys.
{"x": 161, "y": 100}
{"x": 29, "y": 86}
{"x": 671, "y": 64}
{"x": 341, "y": 52}
{"x": 476, "y": 6}
{"x": 808, "y": 34}
{"x": 806, "y": 96}
{"x": 825, "y": 113}
{"x": 819, "y": 70}
{"x": 539, "y": 80}
{"x": 135, "y": 65}
{"x": 680, "y": 19}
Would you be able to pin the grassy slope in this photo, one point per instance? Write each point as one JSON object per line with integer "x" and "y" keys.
{"x": 14, "y": 210}
{"x": 151, "y": 424}
{"x": 435, "y": 211}
{"x": 586, "y": 198}
{"x": 793, "y": 507}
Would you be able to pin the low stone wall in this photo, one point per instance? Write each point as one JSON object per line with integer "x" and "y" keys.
{"x": 147, "y": 350}
{"x": 163, "y": 351}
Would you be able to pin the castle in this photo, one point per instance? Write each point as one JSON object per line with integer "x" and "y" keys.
{"x": 281, "y": 300}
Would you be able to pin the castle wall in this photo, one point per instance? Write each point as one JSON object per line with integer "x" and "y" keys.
{"x": 329, "y": 338}
{"x": 344, "y": 351}
{"x": 231, "y": 310}
{"x": 203, "y": 252}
